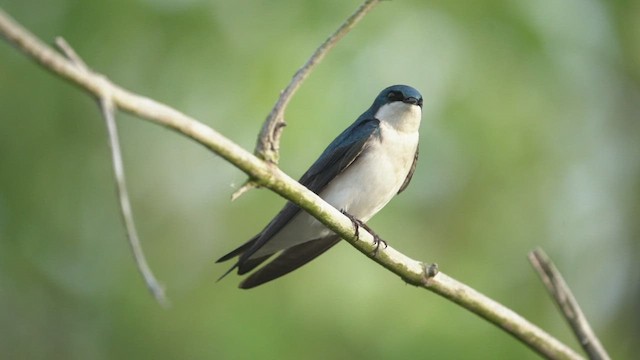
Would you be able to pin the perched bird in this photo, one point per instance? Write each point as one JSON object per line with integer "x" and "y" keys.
{"x": 358, "y": 173}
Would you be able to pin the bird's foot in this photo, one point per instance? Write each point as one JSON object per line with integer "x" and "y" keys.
{"x": 357, "y": 223}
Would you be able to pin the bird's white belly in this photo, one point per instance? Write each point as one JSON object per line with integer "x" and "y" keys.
{"x": 372, "y": 181}
{"x": 361, "y": 190}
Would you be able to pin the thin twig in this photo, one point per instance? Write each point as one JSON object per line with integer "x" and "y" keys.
{"x": 269, "y": 139}
{"x": 567, "y": 304}
{"x": 268, "y": 144}
{"x": 71, "y": 54}
{"x": 156, "y": 289}
{"x": 412, "y": 271}
{"x": 107, "y": 109}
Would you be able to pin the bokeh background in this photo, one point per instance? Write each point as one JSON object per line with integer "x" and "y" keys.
{"x": 530, "y": 137}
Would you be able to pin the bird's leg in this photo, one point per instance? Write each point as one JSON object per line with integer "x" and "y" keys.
{"x": 357, "y": 223}
{"x": 376, "y": 239}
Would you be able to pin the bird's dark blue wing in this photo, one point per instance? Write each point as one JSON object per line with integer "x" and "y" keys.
{"x": 407, "y": 180}
{"x": 335, "y": 159}
{"x": 343, "y": 151}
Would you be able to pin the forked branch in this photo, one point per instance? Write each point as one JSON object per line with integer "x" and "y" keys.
{"x": 108, "y": 113}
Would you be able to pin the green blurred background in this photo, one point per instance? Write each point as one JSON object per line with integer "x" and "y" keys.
{"x": 530, "y": 137}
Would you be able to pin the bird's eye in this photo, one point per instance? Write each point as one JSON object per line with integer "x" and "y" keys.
{"x": 395, "y": 96}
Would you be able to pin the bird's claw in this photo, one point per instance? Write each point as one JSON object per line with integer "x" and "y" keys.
{"x": 377, "y": 240}
{"x": 357, "y": 223}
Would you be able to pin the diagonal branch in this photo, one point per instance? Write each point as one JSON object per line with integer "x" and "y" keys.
{"x": 268, "y": 175}
{"x": 568, "y": 305}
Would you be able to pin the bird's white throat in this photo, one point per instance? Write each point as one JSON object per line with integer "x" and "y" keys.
{"x": 402, "y": 116}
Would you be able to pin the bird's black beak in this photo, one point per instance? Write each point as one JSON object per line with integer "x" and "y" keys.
{"x": 413, "y": 101}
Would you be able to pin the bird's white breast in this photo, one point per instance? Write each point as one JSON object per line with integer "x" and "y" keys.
{"x": 371, "y": 181}
{"x": 377, "y": 175}
{"x": 368, "y": 184}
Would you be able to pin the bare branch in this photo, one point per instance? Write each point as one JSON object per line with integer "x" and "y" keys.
{"x": 248, "y": 185}
{"x": 107, "y": 109}
{"x": 567, "y": 304}
{"x": 268, "y": 145}
{"x": 501, "y": 316}
{"x": 71, "y": 54}
{"x": 269, "y": 139}
{"x": 156, "y": 289}
{"x": 267, "y": 175}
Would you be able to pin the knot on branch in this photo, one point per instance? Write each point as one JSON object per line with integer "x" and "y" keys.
{"x": 268, "y": 148}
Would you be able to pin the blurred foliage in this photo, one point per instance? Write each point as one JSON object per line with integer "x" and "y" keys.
{"x": 530, "y": 138}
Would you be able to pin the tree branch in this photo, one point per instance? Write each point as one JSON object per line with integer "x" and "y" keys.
{"x": 157, "y": 290}
{"x": 268, "y": 175}
{"x": 269, "y": 139}
{"x": 268, "y": 144}
{"x": 567, "y": 304}
{"x": 107, "y": 109}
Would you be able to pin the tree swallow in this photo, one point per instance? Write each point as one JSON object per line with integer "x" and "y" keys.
{"x": 358, "y": 174}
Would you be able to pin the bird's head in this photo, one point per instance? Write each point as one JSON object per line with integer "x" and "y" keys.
{"x": 399, "y": 106}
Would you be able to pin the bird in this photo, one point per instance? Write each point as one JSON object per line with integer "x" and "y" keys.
{"x": 358, "y": 173}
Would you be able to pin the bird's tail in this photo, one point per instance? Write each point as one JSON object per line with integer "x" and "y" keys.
{"x": 289, "y": 260}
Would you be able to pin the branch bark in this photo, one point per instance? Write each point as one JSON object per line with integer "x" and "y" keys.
{"x": 268, "y": 175}
{"x": 268, "y": 144}
{"x": 107, "y": 109}
{"x": 567, "y": 304}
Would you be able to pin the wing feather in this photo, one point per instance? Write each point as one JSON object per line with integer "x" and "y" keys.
{"x": 407, "y": 180}
{"x": 343, "y": 151}
{"x": 289, "y": 260}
